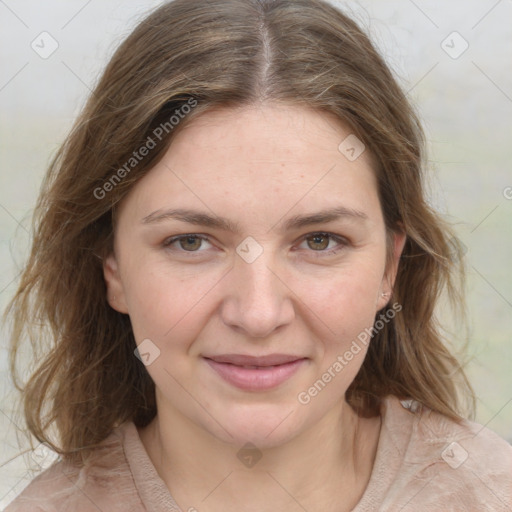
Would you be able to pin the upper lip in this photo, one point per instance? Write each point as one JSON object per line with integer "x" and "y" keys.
{"x": 246, "y": 360}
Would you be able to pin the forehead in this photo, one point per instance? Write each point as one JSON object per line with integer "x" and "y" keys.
{"x": 261, "y": 159}
{"x": 271, "y": 132}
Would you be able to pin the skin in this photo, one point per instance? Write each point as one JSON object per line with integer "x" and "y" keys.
{"x": 258, "y": 167}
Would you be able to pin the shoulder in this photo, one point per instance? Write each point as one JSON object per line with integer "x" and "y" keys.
{"x": 96, "y": 485}
{"x": 457, "y": 465}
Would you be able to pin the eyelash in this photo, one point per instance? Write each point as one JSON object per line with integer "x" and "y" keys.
{"x": 343, "y": 242}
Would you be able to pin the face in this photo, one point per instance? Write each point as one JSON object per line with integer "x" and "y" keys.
{"x": 250, "y": 259}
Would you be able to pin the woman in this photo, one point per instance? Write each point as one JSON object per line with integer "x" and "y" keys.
{"x": 238, "y": 269}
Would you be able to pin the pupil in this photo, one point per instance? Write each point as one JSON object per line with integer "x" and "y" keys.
{"x": 320, "y": 240}
{"x": 194, "y": 241}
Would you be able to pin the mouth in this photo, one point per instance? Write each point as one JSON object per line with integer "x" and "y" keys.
{"x": 255, "y": 373}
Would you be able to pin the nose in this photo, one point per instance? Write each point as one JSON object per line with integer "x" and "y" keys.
{"x": 257, "y": 301}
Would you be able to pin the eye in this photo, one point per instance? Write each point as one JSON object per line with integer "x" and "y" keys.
{"x": 326, "y": 243}
{"x": 189, "y": 243}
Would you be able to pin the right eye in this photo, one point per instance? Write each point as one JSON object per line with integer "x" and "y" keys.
{"x": 187, "y": 243}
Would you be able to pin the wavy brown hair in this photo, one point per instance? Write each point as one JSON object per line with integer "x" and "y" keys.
{"x": 219, "y": 53}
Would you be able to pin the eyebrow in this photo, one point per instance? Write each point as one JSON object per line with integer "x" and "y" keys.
{"x": 215, "y": 221}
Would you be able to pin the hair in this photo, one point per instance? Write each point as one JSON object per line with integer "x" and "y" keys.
{"x": 226, "y": 54}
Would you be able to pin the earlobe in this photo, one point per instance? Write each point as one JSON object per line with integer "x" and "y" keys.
{"x": 115, "y": 289}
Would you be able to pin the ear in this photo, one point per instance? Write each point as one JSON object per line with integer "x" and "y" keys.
{"x": 115, "y": 290}
{"x": 397, "y": 241}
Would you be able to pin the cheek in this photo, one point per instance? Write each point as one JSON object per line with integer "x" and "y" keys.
{"x": 344, "y": 299}
{"x": 344, "y": 307}
{"x": 165, "y": 304}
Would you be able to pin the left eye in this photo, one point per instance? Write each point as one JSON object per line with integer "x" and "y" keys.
{"x": 321, "y": 242}
{"x": 189, "y": 243}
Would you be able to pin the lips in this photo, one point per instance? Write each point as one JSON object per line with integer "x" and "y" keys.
{"x": 251, "y": 373}
{"x": 255, "y": 361}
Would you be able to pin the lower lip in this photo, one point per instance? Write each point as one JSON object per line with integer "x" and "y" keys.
{"x": 256, "y": 379}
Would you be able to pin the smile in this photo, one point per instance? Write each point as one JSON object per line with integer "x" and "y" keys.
{"x": 253, "y": 377}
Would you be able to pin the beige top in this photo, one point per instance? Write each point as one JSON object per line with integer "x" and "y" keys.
{"x": 424, "y": 462}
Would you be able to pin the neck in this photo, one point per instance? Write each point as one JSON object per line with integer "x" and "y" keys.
{"x": 326, "y": 467}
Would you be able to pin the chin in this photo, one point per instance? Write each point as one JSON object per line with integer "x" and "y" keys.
{"x": 265, "y": 426}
